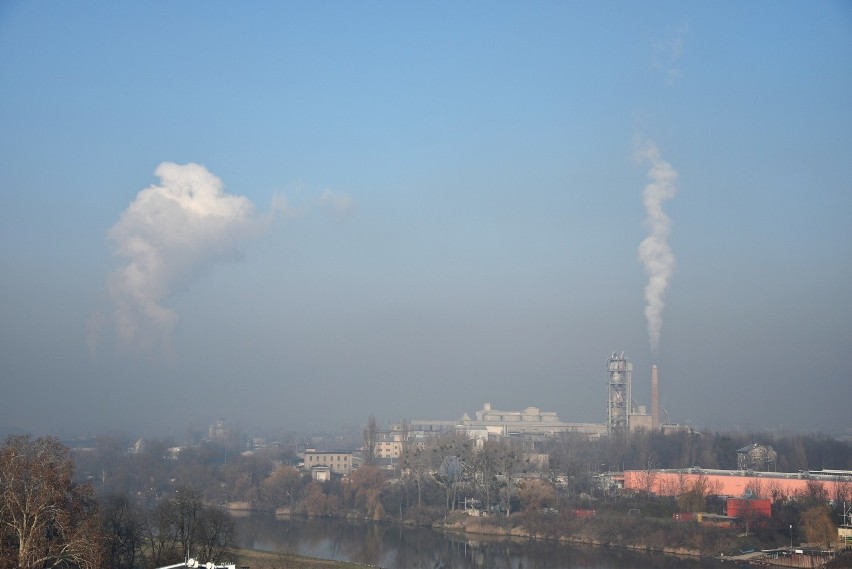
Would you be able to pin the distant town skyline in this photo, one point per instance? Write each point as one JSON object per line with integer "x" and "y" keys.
{"x": 299, "y": 215}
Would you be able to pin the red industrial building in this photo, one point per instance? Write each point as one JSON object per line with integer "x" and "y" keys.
{"x": 749, "y": 508}
{"x": 733, "y": 483}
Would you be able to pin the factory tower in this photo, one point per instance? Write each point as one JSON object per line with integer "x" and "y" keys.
{"x": 619, "y": 373}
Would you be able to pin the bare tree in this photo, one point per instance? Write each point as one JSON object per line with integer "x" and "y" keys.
{"x": 841, "y": 491}
{"x": 449, "y": 457}
{"x": 416, "y": 462}
{"x": 816, "y": 521}
{"x": 161, "y": 541}
{"x": 450, "y": 475}
{"x": 280, "y": 487}
{"x": 647, "y": 476}
{"x": 370, "y": 434}
{"x": 813, "y": 494}
{"x": 486, "y": 464}
{"x": 184, "y": 527}
{"x": 46, "y": 520}
{"x": 122, "y": 528}
{"x": 695, "y": 498}
{"x": 186, "y": 511}
{"x": 756, "y": 488}
{"x": 404, "y": 433}
{"x": 536, "y": 493}
{"x": 507, "y": 461}
{"x": 776, "y": 492}
{"x": 366, "y": 485}
{"x": 215, "y": 535}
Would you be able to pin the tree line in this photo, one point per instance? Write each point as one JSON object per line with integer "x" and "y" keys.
{"x": 108, "y": 506}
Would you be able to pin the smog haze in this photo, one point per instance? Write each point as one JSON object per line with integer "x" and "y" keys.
{"x": 298, "y": 215}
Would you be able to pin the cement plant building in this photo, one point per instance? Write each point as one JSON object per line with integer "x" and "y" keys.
{"x": 493, "y": 423}
{"x": 622, "y": 414}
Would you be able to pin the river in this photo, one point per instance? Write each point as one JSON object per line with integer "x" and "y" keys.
{"x": 394, "y": 546}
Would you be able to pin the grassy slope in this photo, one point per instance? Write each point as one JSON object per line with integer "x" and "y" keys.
{"x": 275, "y": 560}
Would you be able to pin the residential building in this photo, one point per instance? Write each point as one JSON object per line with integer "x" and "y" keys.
{"x": 219, "y": 431}
{"x": 321, "y": 473}
{"x": 340, "y": 462}
{"x": 760, "y": 458}
{"x": 389, "y": 444}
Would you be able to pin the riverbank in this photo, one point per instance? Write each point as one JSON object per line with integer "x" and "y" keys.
{"x": 654, "y": 537}
{"x": 256, "y": 559}
{"x": 647, "y": 535}
{"x": 842, "y": 561}
{"x": 579, "y": 538}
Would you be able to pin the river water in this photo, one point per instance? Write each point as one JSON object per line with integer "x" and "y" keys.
{"x": 393, "y": 546}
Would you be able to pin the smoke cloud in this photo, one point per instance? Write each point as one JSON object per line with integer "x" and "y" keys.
{"x": 167, "y": 235}
{"x": 340, "y": 205}
{"x": 668, "y": 52}
{"x": 282, "y": 208}
{"x": 654, "y": 251}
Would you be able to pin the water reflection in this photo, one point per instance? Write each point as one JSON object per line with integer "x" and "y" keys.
{"x": 398, "y": 547}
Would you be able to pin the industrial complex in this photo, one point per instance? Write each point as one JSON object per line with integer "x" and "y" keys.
{"x": 623, "y": 414}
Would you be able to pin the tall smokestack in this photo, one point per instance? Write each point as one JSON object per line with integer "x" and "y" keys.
{"x": 655, "y": 399}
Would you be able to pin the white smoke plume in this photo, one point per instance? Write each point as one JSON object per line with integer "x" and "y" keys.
{"x": 167, "y": 235}
{"x": 667, "y": 53}
{"x": 283, "y": 209}
{"x": 340, "y": 205}
{"x": 654, "y": 251}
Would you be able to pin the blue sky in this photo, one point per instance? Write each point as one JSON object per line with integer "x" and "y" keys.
{"x": 463, "y": 210}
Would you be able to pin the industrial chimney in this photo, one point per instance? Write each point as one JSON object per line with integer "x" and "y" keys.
{"x": 655, "y": 399}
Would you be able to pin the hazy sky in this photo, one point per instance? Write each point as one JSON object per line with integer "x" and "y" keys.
{"x": 304, "y": 213}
